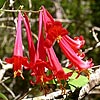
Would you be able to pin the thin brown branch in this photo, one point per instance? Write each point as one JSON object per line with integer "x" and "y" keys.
{"x": 6, "y": 10}
{"x": 34, "y": 20}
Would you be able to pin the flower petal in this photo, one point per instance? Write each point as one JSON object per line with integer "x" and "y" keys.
{"x": 47, "y": 18}
{"x": 18, "y": 51}
{"x": 29, "y": 38}
{"x": 17, "y": 62}
{"x": 76, "y": 43}
{"x": 39, "y": 71}
{"x": 58, "y": 71}
{"x": 41, "y": 53}
{"x": 72, "y": 56}
{"x": 17, "y": 59}
{"x": 53, "y": 33}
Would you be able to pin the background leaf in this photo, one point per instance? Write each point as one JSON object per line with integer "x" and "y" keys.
{"x": 3, "y": 97}
{"x": 76, "y": 82}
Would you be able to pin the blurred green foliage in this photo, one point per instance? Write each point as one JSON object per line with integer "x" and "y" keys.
{"x": 2, "y": 96}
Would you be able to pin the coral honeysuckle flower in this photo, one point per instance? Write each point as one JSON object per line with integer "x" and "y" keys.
{"x": 31, "y": 46}
{"x": 73, "y": 57}
{"x": 47, "y": 18}
{"x": 41, "y": 53}
{"x": 54, "y": 30}
{"x": 39, "y": 72}
{"x": 76, "y": 43}
{"x": 70, "y": 47}
{"x": 39, "y": 67}
{"x": 37, "y": 57}
{"x": 57, "y": 70}
{"x": 17, "y": 59}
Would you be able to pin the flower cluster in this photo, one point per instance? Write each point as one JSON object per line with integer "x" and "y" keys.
{"x": 43, "y": 56}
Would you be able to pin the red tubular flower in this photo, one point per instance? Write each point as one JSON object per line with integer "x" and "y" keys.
{"x": 47, "y": 18}
{"x": 73, "y": 57}
{"x": 41, "y": 53}
{"x": 37, "y": 58}
{"x": 39, "y": 66}
{"x": 54, "y": 30}
{"x": 39, "y": 72}
{"x": 18, "y": 60}
{"x": 76, "y": 43}
{"x": 57, "y": 70}
{"x": 31, "y": 46}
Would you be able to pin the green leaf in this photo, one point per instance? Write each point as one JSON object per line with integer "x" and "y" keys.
{"x": 3, "y": 97}
{"x": 2, "y": 3}
{"x": 76, "y": 83}
{"x": 66, "y": 70}
{"x": 51, "y": 82}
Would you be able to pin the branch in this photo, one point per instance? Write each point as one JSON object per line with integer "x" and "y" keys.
{"x": 30, "y": 6}
{"x": 58, "y": 9}
{"x": 9, "y": 90}
{"x": 96, "y": 39}
{"x": 93, "y": 82}
{"x": 29, "y": 11}
{"x": 50, "y": 96}
{"x": 95, "y": 34}
{"x": 4, "y": 68}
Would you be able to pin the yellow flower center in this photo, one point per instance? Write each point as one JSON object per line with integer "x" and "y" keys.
{"x": 42, "y": 78}
{"x": 59, "y": 38}
{"x": 20, "y": 72}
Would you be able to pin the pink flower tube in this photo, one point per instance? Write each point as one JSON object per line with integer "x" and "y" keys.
{"x": 57, "y": 68}
{"x": 17, "y": 59}
{"x": 73, "y": 57}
